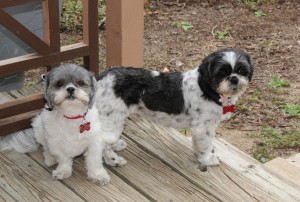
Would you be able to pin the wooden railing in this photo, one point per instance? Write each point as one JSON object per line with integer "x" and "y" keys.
{"x": 124, "y": 47}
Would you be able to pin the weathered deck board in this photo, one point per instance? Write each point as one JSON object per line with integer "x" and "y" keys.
{"x": 16, "y": 94}
{"x": 25, "y": 91}
{"x": 117, "y": 190}
{"x": 156, "y": 179}
{"x": 5, "y": 97}
{"x": 239, "y": 178}
{"x": 5, "y": 196}
{"x": 255, "y": 175}
{"x": 27, "y": 181}
{"x": 161, "y": 167}
{"x": 149, "y": 175}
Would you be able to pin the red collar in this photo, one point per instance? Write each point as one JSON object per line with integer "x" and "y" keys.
{"x": 227, "y": 109}
{"x": 75, "y": 117}
{"x": 85, "y": 126}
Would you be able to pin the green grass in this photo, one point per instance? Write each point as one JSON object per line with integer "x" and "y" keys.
{"x": 277, "y": 82}
{"x": 221, "y": 35}
{"x": 274, "y": 139}
{"x": 256, "y": 95}
{"x": 249, "y": 4}
{"x": 185, "y": 26}
{"x": 259, "y": 14}
{"x": 291, "y": 109}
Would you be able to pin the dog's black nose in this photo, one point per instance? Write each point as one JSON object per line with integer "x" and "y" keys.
{"x": 70, "y": 90}
{"x": 234, "y": 80}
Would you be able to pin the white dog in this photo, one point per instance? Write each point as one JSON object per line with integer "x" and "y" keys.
{"x": 70, "y": 126}
{"x": 196, "y": 99}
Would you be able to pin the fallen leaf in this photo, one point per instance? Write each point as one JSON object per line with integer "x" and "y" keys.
{"x": 166, "y": 69}
{"x": 178, "y": 63}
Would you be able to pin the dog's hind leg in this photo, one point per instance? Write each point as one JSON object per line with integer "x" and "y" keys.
{"x": 111, "y": 158}
{"x": 119, "y": 145}
{"x": 112, "y": 124}
{"x": 202, "y": 142}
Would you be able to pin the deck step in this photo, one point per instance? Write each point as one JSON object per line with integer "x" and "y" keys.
{"x": 295, "y": 160}
{"x": 286, "y": 168}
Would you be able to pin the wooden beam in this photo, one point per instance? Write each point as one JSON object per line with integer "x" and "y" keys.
{"x": 125, "y": 33}
{"x": 90, "y": 34}
{"x": 30, "y": 61}
{"x": 23, "y": 33}
{"x": 22, "y": 105}
{"x": 16, "y": 123}
{"x": 51, "y": 24}
{"x": 9, "y": 3}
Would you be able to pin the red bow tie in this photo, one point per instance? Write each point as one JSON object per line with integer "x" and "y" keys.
{"x": 227, "y": 109}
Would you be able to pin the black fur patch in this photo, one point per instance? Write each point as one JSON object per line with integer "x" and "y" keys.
{"x": 159, "y": 93}
{"x": 208, "y": 92}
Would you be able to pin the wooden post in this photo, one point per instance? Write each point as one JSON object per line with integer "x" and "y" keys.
{"x": 124, "y": 33}
{"x": 90, "y": 34}
{"x": 51, "y": 27}
{"x": 51, "y": 21}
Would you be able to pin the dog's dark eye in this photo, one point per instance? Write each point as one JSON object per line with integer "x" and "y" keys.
{"x": 243, "y": 71}
{"x": 223, "y": 72}
{"x": 59, "y": 83}
{"x": 80, "y": 83}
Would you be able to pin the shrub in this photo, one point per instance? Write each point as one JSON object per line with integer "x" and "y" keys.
{"x": 71, "y": 17}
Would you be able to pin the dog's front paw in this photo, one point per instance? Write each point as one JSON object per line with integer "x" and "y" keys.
{"x": 100, "y": 177}
{"x": 119, "y": 145}
{"x": 209, "y": 160}
{"x": 60, "y": 174}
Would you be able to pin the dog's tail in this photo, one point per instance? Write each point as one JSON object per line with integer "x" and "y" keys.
{"x": 22, "y": 142}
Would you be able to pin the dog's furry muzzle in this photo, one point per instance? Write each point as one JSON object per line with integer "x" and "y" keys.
{"x": 78, "y": 96}
{"x": 228, "y": 89}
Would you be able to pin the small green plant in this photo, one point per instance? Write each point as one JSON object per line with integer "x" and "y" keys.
{"x": 30, "y": 83}
{"x": 256, "y": 94}
{"x": 249, "y": 4}
{"x": 267, "y": 45}
{"x": 259, "y": 14}
{"x": 221, "y": 35}
{"x": 274, "y": 139}
{"x": 185, "y": 26}
{"x": 263, "y": 154}
{"x": 277, "y": 82}
{"x": 291, "y": 109}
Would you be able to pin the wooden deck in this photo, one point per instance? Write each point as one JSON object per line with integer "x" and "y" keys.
{"x": 161, "y": 167}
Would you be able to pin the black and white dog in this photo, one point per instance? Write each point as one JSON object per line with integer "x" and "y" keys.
{"x": 197, "y": 99}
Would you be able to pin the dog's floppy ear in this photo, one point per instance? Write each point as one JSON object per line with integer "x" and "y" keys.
{"x": 250, "y": 61}
{"x": 204, "y": 69}
{"x": 46, "y": 78}
{"x": 94, "y": 88}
